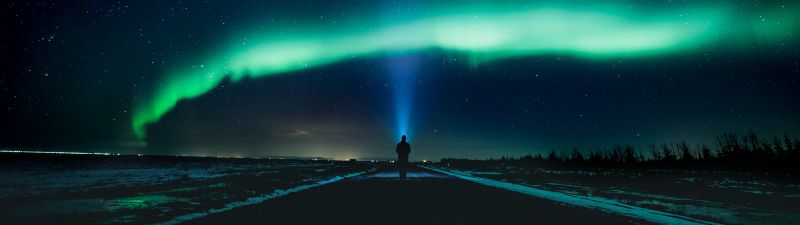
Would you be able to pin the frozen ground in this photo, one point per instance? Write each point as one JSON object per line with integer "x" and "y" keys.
{"x": 137, "y": 190}
{"x": 595, "y": 203}
{"x": 727, "y": 197}
{"x": 169, "y": 190}
{"x": 426, "y": 197}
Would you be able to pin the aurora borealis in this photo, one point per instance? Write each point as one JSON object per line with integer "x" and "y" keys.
{"x": 120, "y": 73}
{"x": 483, "y": 35}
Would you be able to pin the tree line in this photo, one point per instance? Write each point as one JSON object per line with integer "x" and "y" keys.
{"x": 731, "y": 151}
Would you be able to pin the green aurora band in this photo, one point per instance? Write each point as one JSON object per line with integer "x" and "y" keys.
{"x": 593, "y": 33}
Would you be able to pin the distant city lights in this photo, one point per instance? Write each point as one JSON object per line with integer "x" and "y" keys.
{"x": 219, "y": 157}
{"x": 52, "y": 152}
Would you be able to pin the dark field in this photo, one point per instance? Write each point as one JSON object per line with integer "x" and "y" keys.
{"x": 58, "y": 189}
{"x": 427, "y": 197}
{"x": 723, "y": 196}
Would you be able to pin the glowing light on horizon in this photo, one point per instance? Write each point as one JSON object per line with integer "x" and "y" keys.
{"x": 55, "y": 152}
{"x": 484, "y": 35}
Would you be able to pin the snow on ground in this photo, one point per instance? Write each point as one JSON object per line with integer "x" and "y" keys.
{"x": 152, "y": 190}
{"x": 255, "y": 200}
{"x": 588, "y": 202}
{"x": 721, "y": 196}
{"x": 35, "y": 181}
{"x": 395, "y": 174}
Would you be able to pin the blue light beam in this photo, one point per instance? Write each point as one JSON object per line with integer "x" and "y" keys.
{"x": 403, "y": 71}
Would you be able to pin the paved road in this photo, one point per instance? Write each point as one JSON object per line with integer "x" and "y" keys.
{"x": 426, "y": 198}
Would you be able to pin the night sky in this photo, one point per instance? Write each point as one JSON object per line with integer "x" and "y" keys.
{"x": 346, "y": 79}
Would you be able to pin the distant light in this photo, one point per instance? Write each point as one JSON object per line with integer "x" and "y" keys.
{"x": 51, "y": 152}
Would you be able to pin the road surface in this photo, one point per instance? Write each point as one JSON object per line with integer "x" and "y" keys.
{"x": 427, "y": 197}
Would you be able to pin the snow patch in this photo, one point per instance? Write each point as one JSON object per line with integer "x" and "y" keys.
{"x": 396, "y": 174}
{"x": 603, "y": 204}
{"x": 256, "y": 200}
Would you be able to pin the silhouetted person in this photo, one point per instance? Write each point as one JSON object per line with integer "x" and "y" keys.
{"x": 403, "y": 149}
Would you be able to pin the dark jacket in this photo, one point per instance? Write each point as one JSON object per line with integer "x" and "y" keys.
{"x": 403, "y": 148}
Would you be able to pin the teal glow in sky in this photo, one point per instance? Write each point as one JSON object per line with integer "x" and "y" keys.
{"x": 484, "y": 34}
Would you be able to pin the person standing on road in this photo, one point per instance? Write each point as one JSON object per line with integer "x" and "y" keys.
{"x": 403, "y": 149}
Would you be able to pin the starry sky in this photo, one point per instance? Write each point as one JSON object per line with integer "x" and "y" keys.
{"x": 346, "y": 79}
